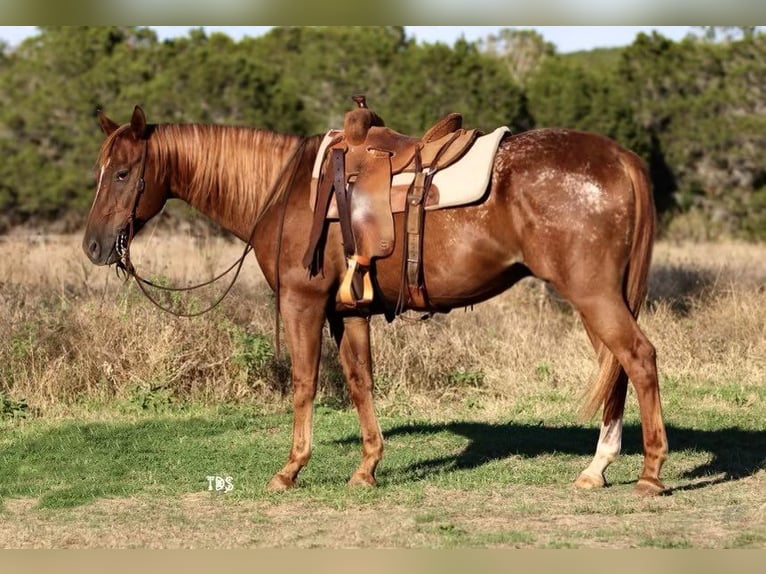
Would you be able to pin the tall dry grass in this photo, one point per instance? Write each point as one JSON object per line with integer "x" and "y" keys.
{"x": 74, "y": 333}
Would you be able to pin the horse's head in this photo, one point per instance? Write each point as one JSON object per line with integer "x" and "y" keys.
{"x": 125, "y": 197}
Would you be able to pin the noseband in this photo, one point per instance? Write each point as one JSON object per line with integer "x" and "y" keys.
{"x": 123, "y": 250}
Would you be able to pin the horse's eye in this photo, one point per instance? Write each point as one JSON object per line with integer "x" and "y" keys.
{"x": 121, "y": 175}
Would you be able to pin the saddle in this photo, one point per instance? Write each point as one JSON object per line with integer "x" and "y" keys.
{"x": 359, "y": 165}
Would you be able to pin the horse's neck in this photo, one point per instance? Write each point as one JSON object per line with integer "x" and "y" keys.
{"x": 228, "y": 174}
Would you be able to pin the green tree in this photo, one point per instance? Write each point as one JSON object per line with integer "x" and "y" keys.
{"x": 728, "y": 33}
{"x": 212, "y": 79}
{"x": 325, "y": 66}
{"x": 702, "y": 104}
{"x": 522, "y": 51}
{"x": 434, "y": 79}
{"x": 693, "y": 109}
{"x": 51, "y": 85}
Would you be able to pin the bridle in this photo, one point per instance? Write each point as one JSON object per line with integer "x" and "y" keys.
{"x": 123, "y": 252}
{"x": 125, "y": 265}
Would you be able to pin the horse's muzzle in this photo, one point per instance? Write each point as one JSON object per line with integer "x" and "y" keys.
{"x": 102, "y": 251}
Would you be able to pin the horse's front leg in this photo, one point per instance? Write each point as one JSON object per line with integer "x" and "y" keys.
{"x": 353, "y": 337}
{"x": 303, "y": 321}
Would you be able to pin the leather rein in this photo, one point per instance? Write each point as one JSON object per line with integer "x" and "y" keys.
{"x": 125, "y": 264}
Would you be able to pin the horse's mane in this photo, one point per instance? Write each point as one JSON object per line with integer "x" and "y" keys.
{"x": 213, "y": 160}
{"x": 227, "y": 172}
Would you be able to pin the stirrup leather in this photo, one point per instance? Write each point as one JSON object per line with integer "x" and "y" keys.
{"x": 356, "y": 287}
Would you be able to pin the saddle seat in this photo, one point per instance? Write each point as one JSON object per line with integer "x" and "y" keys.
{"x": 445, "y": 142}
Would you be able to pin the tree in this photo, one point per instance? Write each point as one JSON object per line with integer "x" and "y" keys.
{"x": 729, "y": 33}
{"x": 522, "y": 51}
{"x": 51, "y": 85}
{"x": 325, "y": 66}
{"x": 433, "y": 79}
{"x": 695, "y": 110}
{"x": 702, "y": 105}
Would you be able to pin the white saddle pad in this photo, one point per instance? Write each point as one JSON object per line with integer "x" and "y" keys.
{"x": 465, "y": 181}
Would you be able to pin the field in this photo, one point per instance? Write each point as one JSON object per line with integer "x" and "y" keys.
{"x": 114, "y": 415}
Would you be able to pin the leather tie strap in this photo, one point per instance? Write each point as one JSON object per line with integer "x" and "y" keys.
{"x": 413, "y": 237}
{"x": 341, "y": 198}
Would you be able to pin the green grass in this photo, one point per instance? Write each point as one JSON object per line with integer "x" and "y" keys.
{"x": 70, "y": 462}
{"x": 454, "y": 479}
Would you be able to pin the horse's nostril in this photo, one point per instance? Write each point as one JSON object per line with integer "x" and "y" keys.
{"x": 94, "y": 248}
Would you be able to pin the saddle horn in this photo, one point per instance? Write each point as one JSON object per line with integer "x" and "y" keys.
{"x": 360, "y": 100}
{"x": 358, "y": 122}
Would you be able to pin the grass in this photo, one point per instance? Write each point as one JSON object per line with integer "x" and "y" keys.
{"x": 459, "y": 483}
{"x": 113, "y": 415}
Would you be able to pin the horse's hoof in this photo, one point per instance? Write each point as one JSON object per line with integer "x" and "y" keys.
{"x": 650, "y": 487}
{"x": 589, "y": 481}
{"x": 362, "y": 479}
{"x": 279, "y": 483}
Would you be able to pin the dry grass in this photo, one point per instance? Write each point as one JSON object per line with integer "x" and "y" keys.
{"x": 75, "y": 340}
{"x": 521, "y": 517}
{"x": 73, "y": 332}
{"x": 77, "y": 332}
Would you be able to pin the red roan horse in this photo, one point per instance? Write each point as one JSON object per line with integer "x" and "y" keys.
{"x": 572, "y": 208}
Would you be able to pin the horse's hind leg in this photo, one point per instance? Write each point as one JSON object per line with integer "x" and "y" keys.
{"x": 610, "y": 320}
{"x": 610, "y": 437}
{"x": 353, "y": 337}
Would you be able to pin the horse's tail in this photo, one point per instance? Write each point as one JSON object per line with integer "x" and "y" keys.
{"x": 636, "y": 273}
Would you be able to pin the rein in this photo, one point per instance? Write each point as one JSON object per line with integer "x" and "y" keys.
{"x": 126, "y": 265}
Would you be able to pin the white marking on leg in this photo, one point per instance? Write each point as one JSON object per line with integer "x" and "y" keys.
{"x": 609, "y": 445}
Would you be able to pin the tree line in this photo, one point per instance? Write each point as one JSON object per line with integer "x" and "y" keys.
{"x": 695, "y": 110}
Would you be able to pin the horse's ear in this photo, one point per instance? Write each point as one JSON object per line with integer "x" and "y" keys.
{"x": 138, "y": 123}
{"x": 107, "y": 125}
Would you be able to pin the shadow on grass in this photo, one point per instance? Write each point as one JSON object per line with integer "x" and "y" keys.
{"x": 73, "y": 463}
{"x": 735, "y": 453}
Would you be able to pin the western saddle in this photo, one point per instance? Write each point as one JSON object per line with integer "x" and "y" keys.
{"x": 359, "y": 164}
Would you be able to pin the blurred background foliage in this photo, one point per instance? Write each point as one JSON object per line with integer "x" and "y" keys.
{"x": 695, "y": 110}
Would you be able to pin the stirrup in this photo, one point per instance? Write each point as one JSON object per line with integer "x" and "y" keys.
{"x": 356, "y": 288}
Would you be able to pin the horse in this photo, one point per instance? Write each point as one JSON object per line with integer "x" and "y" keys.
{"x": 572, "y": 208}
